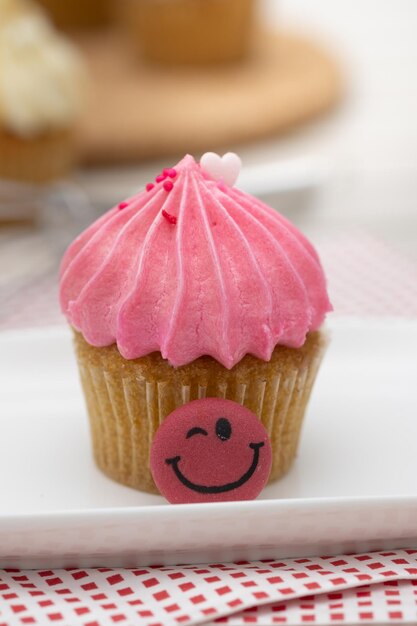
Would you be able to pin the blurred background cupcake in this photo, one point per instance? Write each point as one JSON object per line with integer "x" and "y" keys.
{"x": 190, "y": 31}
{"x": 81, "y": 14}
{"x": 42, "y": 84}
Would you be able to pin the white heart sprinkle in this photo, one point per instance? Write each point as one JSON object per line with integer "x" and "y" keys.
{"x": 224, "y": 168}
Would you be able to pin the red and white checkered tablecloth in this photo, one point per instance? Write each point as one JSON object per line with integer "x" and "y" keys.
{"x": 379, "y": 587}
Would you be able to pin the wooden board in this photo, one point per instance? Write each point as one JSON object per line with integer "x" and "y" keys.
{"x": 138, "y": 111}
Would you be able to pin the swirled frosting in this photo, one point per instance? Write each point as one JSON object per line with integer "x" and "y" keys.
{"x": 193, "y": 267}
{"x": 41, "y": 75}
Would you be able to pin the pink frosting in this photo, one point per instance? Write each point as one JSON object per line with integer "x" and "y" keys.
{"x": 199, "y": 268}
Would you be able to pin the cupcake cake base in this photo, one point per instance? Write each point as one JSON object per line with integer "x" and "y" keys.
{"x": 127, "y": 400}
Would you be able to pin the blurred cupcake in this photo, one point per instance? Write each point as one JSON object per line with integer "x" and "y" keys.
{"x": 192, "y": 289}
{"x": 190, "y": 31}
{"x": 41, "y": 93}
{"x": 78, "y": 14}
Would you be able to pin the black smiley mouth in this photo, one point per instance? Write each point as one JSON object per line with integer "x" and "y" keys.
{"x": 217, "y": 488}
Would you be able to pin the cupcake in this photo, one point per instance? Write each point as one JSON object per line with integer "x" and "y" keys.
{"x": 41, "y": 93}
{"x": 192, "y": 289}
{"x": 190, "y": 31}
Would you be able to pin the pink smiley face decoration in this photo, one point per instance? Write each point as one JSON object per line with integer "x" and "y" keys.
{"x": 211, "y": 450}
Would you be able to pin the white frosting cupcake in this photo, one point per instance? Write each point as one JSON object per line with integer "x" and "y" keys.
{"x": 42, "y": 78}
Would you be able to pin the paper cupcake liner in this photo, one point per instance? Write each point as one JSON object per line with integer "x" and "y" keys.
{"x": 186, "y": 32}
{"x": 37, "y": 159}
{"x": 128, "y": 400}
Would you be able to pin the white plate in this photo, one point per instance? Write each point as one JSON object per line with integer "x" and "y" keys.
{"x": 353, "y": 486}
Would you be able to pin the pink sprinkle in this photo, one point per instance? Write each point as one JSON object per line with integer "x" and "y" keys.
{"x": 160, "y": 178}
{"x": 168, "y": 185}
{"x": 170, "y": 171}
{"x": 170, "y": 218}
{"x": 149, "y": 186}
{"x": 123, "y": 205}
